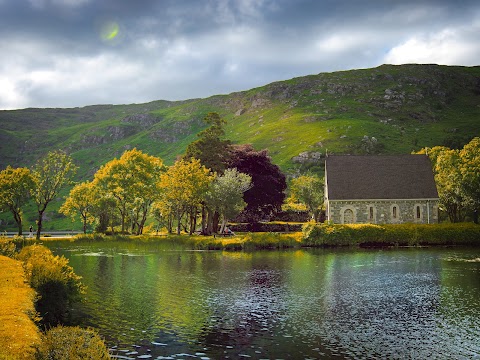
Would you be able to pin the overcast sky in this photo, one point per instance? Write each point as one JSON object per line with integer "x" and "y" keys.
{"x": 67, "y": 53}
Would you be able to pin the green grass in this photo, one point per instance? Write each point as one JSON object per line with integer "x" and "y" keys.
{"x": 247, "y": 241}
{"x": 313, "y": 235}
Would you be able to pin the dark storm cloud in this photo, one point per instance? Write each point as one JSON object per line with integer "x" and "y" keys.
{"x": 78, "y": 52}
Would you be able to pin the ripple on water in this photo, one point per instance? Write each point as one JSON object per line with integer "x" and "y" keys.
{"x": 359, "y": 305}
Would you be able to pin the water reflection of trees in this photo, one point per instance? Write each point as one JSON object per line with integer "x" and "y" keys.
{"x": 313, "y": 303}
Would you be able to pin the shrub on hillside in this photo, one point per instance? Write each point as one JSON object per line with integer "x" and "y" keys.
{"x": 54, "y": 281}
{"x": 72, "y": 343}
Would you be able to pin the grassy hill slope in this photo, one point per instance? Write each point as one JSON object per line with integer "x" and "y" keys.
{"x": 388, "y": 109}
{"x": 402, "y": 107}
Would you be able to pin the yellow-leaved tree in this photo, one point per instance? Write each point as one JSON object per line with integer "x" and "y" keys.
{"x": 50, "y": 174}
{"x": 81, "y": 201}
{"x": 132, "y": 181}
{"x": 15, "y": 187}
{"x": 183, "y": 187}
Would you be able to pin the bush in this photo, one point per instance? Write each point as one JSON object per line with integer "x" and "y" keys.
{"x": 72, "y": 343}
{"x": 54, "y": 281}
{"x": 7, "y": 247}
{"x": 390, "y": 235}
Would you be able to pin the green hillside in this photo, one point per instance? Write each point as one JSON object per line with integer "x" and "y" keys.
{"x": 403, "y": 108}
{"x": 388, "y": 109}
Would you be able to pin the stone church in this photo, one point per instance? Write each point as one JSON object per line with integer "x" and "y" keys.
{"x": 383, "y": 189}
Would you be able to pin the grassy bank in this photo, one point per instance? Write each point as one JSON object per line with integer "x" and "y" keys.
{"x": 247, "y": 241}
{"x": 316, "y": 235}
{"x": 391, "y": 235}
{"x": 18, "y": 332}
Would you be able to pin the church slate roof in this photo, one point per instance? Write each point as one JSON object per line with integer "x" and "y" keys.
{"x": 351, "y": 177}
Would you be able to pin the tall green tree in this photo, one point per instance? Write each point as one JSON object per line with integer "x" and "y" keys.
{"x": 50, "y": 174}
{"x": 15, "y": 188}
{"x": 226, "y": 194}
{"x": 210, "y": 147}
{"x": 308, "y": 190}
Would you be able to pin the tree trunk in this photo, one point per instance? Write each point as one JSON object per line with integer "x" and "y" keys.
{"x": 18, "y": 219}
{"x": 193, "y": 220}
{"x": 216, "y": 220}
{"x": 224, "y": 225}
{"x": 123, "y": 222}
{"x": 39, "y": 224}
{"x": 141, "y": 224}
{"x": 170, "y": 224}
{"x": 179, "y": 223}
{"x": 204, "y": 219}
{"x": 209, "y": 228}
{"x": 84, "y": 224}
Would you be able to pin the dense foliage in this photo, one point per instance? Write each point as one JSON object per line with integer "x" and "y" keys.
{"x": 182, "y": 188}
{"x": 72, "y": 343}
{"x": 54, "y": 281}
{"x": 128, "y": 189}
{"x": 457, "y": 175}
{"x": 390, "y": 235}
{"x": 267, "y": 193}
{"x": 131, "y": 181}
{"x": 226, "y": 195}
{"x": 210, "y": 147}
{"x": 15, "y": 188}
{"x": 81, "y": 201}
{"x": 307, "y": 190}
{"x": 50, "y": 174}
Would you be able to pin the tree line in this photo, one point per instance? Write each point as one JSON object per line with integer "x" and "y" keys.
{"x": 209, "y": 185}
{"x": 205, "y": 188}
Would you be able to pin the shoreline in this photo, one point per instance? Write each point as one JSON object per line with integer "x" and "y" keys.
{"x": 312, "y": 236}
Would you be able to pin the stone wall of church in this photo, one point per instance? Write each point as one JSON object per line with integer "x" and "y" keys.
{"x": 383, "y": 211}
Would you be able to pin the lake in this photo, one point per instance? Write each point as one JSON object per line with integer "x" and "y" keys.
{"x": 152, "y": 303}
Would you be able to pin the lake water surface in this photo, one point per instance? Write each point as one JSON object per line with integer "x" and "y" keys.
{"x": 149, "y": 303}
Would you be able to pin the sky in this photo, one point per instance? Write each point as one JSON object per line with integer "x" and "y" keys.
{"x": 69, "y": 53}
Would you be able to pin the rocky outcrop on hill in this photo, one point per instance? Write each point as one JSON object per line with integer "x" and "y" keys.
{"x": 144, "y": 121}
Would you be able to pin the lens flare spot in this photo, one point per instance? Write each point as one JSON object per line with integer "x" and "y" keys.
{"x": 109, "y": 31}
